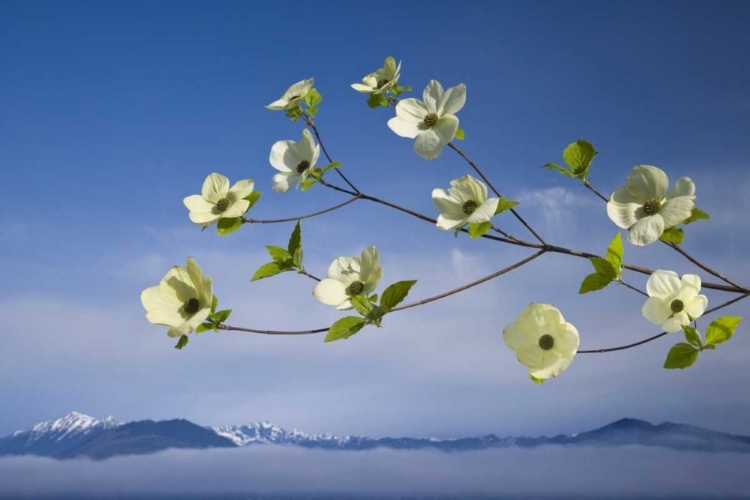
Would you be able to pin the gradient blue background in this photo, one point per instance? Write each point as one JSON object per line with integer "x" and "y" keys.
{"x": 112, "y": 112}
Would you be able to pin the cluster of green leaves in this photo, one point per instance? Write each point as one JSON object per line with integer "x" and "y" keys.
{"x": 675, "y": 234}
{"x": 685, "y": 354}
{"x": 212, "y": 322}
{"x": 578, "y": 156}
{"x": 386, "y": 99}
{"x": 284, "y": 259}
{"x": 372, "y": 313}
{"x": 316, "y": 174}
{"x": 478, "y": 229}
{"x": 312, "y": 101}
{"x": 606, "y": 270}
{"x": 230, "y": 225}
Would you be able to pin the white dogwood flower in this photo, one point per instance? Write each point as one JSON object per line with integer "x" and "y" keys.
{"x": 465, "y": 203}
{"x": 542, "y": 340}
{"x": 348, "y": 276}
{"x": 432, "y": 122}
{"x": 672, "y": 302}
{"x": 294, "y": 160}
{"x": 381, "y": 80}
{"x": 293, "y": 96}
{"x": 218, "y": 201}
{"x": 182, "y": 300}
{"x": 644, "y": 207}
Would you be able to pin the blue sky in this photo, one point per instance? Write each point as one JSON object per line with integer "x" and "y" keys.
{"x": 113, "y": 112}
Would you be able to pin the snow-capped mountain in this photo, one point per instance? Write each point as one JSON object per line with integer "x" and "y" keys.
{"x": 80, "y": 435}
{"x": 55, "y": 436}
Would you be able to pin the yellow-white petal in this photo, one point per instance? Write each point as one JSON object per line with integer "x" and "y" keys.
{"x": 283, "y": 181}
{"x": 622, "y": 215}
{"x": 647, "y": 230}
{"x": 697, "y": 306}
{"x": 676, "y": 210}
{"x": 241, "y": 189}
{"x": 656, "y": 310}
{"x": 403, "y": 128}
{"x": 453, "y": 100}
{"x": 432, "y": 95}
{"x": 215, "y": 187}
{"x": 663, "y": 284}
{"x": 648, "y": 182}
{"x": 330, "y": 292}
{"x": 197, "y": 203}
{"x": 428, "y": 144}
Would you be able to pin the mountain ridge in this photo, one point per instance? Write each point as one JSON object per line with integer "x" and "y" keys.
{"x": 79, "y": 435}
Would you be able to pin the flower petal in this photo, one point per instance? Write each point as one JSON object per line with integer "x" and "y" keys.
{"x": 450, "y": 222}
{"x": 622, "y": 215}
{"x": 646, "y": 230}
{"x": 198, "y": 204}
{"x": 472, "y": 188}
{"x": 428, "y": 144}
{"x": 277, "y": 105}
{"x": 515, "y": 336}
{"x": 696, "y": 307}
{"x": 236, "y": 209}
{"x": 411, "y": 111}
{"x": 283, "y": 181}
{"x": 363, "y": 88}
{"x": 403, "y": 129}
{"x": 283, "y": 157}
{"x": 551, "y": 368}
{"x": 161, "y": 308}
{"x": 432, "y": 95}
{"x": 241, "y": 189}
{"x": 648, "y": 181}
{"x": 530, "y": 355}
{"x": 369, "y": 261}
{"x": 446, "y": 128}
{"x": 204, "y": 219}
{"x": 446, "y": 204}
{"x": 453, "y": 100}
{"x": 676, "y": 210}
{"x": 674, "y": 324}
{"x": 683, "y": 187}
{"x": 656, "y": 310}
{"x": 664, "y": 285}
{"x": 485, "y": 212}
{"x": 330, "y": 292}
{"x": 215, "y": 187}
{"x": 690, "y": 286}
{"x": 344, "y": 269}
{"x": 625, "y": 196}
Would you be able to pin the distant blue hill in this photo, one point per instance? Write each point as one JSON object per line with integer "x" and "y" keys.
{"x": 78, "y": 435}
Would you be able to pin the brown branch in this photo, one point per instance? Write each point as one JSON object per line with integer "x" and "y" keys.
{"x": 247, "y": 220}
{"x": 660, "y": 335}
{"x": 311, "y": 123}
{"x": 633, "y": 288}
{"x": 486, "y": 180}
{"x": 302, "y": 271}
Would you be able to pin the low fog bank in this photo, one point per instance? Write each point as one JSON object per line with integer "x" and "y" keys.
{"x": 633, "y": 471}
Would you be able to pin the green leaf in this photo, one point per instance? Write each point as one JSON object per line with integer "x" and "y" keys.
{"x": 477, "y": 229}
{"x": 221, "y": 316}
{"x": 536, "y": 380}
{"x": 253, "y": 198}
{"x": 460, "y": 134}
{"x": 279, "y": 254}
{"x": 616, "y": 252}
{"x": 721, "y": 329}
{"x": 345, "y": 328}
{"x": 295, "y": 113}
{"x": 227, "y": 226}
{"x": 332, "y": 165}
{"x": 295, "y": 245}
{"x": 376, "y": 314}
{"x": 554, "y": 166}
{"x": 604, "y": 268}
{"x": 376, "y": 100}
{"x": 268, "y": 270}
{"x": 373, "y": 297}
{"x": 578, "y": 156}
{"x": 307, "y": 183}
{"x": 697, "y": 214}
{"x": 681, "y": 355}
{"x": 182, "y": 342}
{"x": 313, "y": 98}
{"x": 395, "y": 294}
{"x": 692, "y": 335}
{"x": 204, "y": 327}
{"x": 504, "y": 204}
{"x": 673, "y": 235}
{"x": 593, "y": 282}
{"x": 214, "y": 304}
{"x": 361, "y": 304}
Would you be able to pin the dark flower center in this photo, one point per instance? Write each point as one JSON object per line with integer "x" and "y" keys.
{"x": 302, "y": 166}
{"x": 293, "y": 97}
{"x": 191, "y": 305}
{"x": 546, "y": 342}
{"x": 222, "y": 205}
{"x": 651, "y": 207}
{"x": 355, "y": 288}
{"x": 469, "y": 207}
{"x": 431, "y": 119}
{"x": 382, "y": 82}
{"x": 677, "y": 306}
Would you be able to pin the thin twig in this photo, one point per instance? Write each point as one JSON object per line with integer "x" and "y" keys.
{"x": 311, "y": 123}
{"x": 633, "y": 288}
{"x": 486, "y": 180}
{"x": 472, "y": 284}
{"x": 302, "y": 271}
{"x": 247, "y": 220}
{"x": 660, "y": 335}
